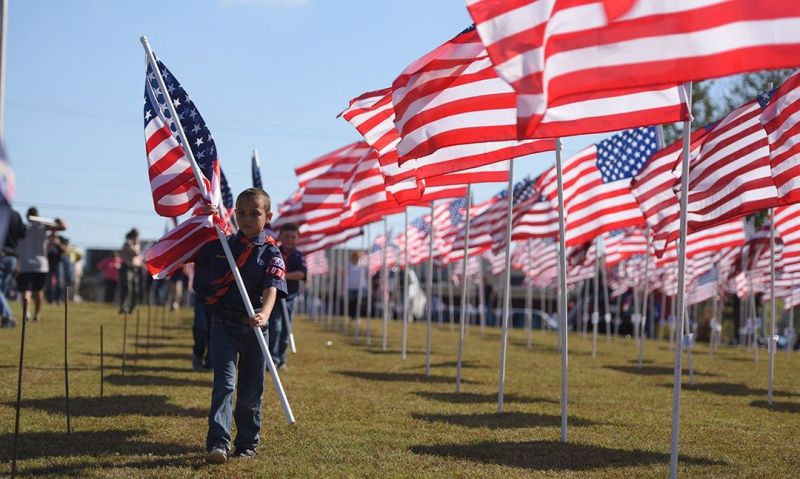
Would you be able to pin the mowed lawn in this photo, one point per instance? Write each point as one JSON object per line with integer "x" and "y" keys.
{"x": 364, "y": 412}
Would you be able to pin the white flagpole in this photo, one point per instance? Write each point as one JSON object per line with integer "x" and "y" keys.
{"x": 332, "y": 271}
{"x": 792, "y": 334}
{"x": 644, "y": 299}
{"x": 359, "y": 294}
{"x": 507, "y": 311}
{"x": 385, "y": 285}
{"x": 680, "y": 312}
{"x": 220, "y": 234}
{"x": 481, "y": 299}
{"x": 596, "y": 311}
{"x": 773, "y": 339}
{"x": 405, "y": 286}
{"x": 562, "y": 285}
{"x": 440, "y": 311}
{"x": 346, "y": 288}
{"x": 463, "y": 321}
{"x": 369, "y": 286}
{"x": 429, "y": 290}
{"x": 607, "y": 315}
{"x": 451, "y": 306}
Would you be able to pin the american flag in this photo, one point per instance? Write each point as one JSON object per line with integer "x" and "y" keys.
{"x": 255, "y": 168}
{"x": 175, "y": 189}
{"x": 226, "y": 209}
{"x": 731, "y": 175}
{"x": 323, "y": 178}
{"x": 621, "y": 244}
{"x": 655, "y": 185}
{"x": 596, "y": 194}
{"x": 317, "y": 263}
{"x": 174, "y": 186}
{"x": 532, "y": 216}
{"x": 309, "y": 243}
{"x": 448, "y": 220}
{"x": 780, "y": 120}
{"x": 730, "y": 234}
{"x": 372, "y": 114}
{"x": 515, "y": 35}
{"x": 703, "y": 288}
{"x": 483, "y": 218}
{"x": 787, "y": 225}
{"x": 452, "y": 96}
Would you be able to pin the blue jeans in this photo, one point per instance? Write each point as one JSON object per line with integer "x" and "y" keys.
{"x": 229, "y": 340}
{"x": 7, "y": 265}
{"x": 278, "y": 333}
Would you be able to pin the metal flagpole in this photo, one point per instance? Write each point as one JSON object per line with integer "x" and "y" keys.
{"x": 680, "y": 311}
{"x": 221, "y": 235}
{"x": 346, "y": 288}
{"x": 452, "y": 306}
{"x": 607, "y": 315}
{"x": 429, "y": 290}
{"x": 644, "y": 298}
{"x": 596, "y": 311}
{"x": 369, "y": 285}
{"x": 405, "y": 285}
{"x": 481, "y": 299}
{"x": 332, "y": 271}
{"x": 792, "y": 333}
{"x": 440, "y": 310}
{"x": 562, "y": 285}
{"x": 385, "y": 285}
{"x": 507, "y": 312}
{"x": 359, "y": 294}
{"x": 529, "y": 311}
{"x": 463, "y": 320}
{"x": 773, "y": 338}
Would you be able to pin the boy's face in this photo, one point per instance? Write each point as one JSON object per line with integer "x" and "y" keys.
{"x": 288, "y": 238}
{"x": 251, "y": 216}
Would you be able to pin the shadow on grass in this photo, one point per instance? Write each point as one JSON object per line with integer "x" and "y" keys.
{"x": 778, "y": 406}
{"x": 553, "y": 455}
{"x": 142, "y": 355}
{"x": 371, "y": 350}
{"x": 109, "y": 406}
{"x": 508, "y": 420}
{"x": 151, "y": 380}
{"x": 475, "y": 398}
{"x": 654, "y": 371}
{"x": 143, "y": 345}
{"x": 732, "y": 389}
{"x": 193, "y": 461}
{"x": 401, "y": 377}
{"x": 550, "y": 349}
{"x": 92, "y": 443}
{"x": 452, "y": 364}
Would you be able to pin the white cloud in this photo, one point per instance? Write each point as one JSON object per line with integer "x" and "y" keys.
{"x": 279, "y": 3}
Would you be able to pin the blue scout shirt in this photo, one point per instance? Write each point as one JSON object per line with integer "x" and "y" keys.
{"x": 260, "y": 263}
{"x": 295, "y": 261}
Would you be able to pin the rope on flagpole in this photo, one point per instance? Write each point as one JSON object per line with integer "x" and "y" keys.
{"x": 220, "y": 234}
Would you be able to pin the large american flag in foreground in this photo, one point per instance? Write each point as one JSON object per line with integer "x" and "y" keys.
{"x": 175, "y": 189}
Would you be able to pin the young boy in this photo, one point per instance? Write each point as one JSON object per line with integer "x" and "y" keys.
{"x": 231, "y": 337}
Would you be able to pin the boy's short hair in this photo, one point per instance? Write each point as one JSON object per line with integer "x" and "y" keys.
{"x": 257, "y": 194}
{"x": 289, "y": 227}
{"x": 32, "y": 211}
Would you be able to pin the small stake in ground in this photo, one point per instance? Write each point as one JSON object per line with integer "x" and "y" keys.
{"x": 66, "y": 363}
{"x": 147, "y": 343}
{"x": 19, "y": 386}
{"x": 102, "y": 375}
{"x": 136, "y": 344}
{"x": 124, "y": 340}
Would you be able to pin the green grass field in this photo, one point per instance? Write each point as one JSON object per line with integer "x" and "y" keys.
{"x": 364, "y": 412}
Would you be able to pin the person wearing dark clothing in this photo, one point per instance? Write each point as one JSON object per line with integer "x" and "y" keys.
{"x": 8, "y": 263}
{"x": 295, "y": 272}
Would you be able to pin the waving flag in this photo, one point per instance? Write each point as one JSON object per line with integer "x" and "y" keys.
{"x": 597, "y": 198}
{"x": 452, "y": 96}
{"x": 255, "y": 166}
{"x": 781, "y": 120}
{"x": 515, "y": 34}
{"x": 175, "y": 189}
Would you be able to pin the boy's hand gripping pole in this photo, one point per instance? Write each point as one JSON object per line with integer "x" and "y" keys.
{"x": 223, "y": 240}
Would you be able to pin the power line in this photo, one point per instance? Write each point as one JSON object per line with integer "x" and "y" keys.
{"x": 90, "y": 209}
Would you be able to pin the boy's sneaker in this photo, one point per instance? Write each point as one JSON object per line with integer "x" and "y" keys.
{"x": 244, "y": 453}
{"x": 217, "y": 455}
{"x": 8, "y": 323}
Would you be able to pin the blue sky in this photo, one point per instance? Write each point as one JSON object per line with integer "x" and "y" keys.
{"x": 266, "y": 74}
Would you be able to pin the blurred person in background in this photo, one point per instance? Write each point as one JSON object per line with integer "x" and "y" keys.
{"x": 8, "y": 263}
{"x": 131, "y": 255}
